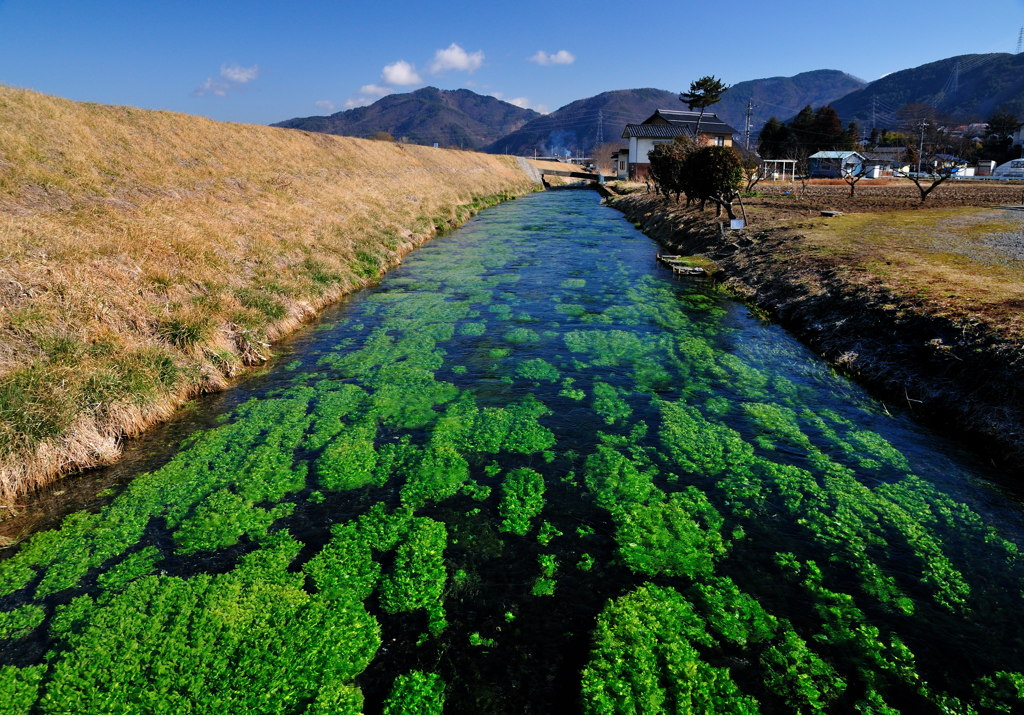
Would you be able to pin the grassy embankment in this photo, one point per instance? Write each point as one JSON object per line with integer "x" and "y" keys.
{"x": 147, "y": 256}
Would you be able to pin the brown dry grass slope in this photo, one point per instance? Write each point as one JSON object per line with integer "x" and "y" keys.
{"x": 146, "y": 256}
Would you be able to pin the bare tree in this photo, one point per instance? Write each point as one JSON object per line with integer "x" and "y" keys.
{"x": 752, "y": 167}
{"x": 852, "y": 176}
{"x": 603, "y": 156}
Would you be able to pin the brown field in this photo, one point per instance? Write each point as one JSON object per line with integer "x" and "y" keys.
{"x": 147, "y": 256}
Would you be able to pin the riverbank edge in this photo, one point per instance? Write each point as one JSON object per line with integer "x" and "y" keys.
{"x": 78, "y": 453}
{"x": 961, "y": 378}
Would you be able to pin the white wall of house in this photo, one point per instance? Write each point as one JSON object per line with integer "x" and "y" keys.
{"x": 639, "y": 148}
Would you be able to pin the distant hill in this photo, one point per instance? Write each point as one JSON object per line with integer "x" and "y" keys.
{"x": 964, "y": 88}
{"x": 574, "y": 127}
{"x": 452, "y": 118}
{"x": 783, "y": 97}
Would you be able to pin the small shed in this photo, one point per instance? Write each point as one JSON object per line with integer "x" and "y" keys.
{"x": 834, "y": 164}
{"x": 776, "y": 169}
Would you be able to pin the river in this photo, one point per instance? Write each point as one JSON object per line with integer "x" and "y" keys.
{"x": 529, "y": 472}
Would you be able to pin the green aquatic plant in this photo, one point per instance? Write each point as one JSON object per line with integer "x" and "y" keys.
{"x": 521, "y": 336}
{"x": 538, "y": 370}
{"x": 614, "y": 480}
{"x": 141, "y": 563}
{"x": 680, "y": 536}
{"x": 349, "y": 460}
{"x": 573, "y": 393}
{"x": 474, "y": 329}
{"x": 609, "y": 403}
{"x": 416, "y": 693}
{"x": 477, "y": 640}
{"x": 547, "y": 533}
{"x": 222, "y": 519}
{"x": 199, "y": 642}
{"x": 344, "y": 569}
{"x": 522, "y": 498}
{"x": 643, "y": 643}
{"x": 418, "y": 576}
{"x": 805, "y": 682}
{"x": 21, "y": 621}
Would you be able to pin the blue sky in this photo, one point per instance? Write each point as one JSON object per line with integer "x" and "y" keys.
{"x": 262, "y": 62}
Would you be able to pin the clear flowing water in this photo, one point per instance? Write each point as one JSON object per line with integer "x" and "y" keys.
{"x": 531, "y": 473}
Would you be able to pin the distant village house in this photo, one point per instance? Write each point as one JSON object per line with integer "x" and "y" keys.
{"x": 834, "y": 164}
{"x": 664, "y": 126}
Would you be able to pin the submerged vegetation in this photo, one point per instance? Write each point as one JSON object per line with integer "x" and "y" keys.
{"x": 648, "y": 505}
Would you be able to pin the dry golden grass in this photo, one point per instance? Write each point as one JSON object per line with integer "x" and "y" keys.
{"x": 961, "y": 262}
{"x": 145, "y": 256}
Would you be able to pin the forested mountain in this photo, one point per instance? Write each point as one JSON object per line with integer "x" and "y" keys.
{"x": 574, "y": 128}
{"x": 451, "y": 118}
{"x": 961, "y": 89}
{"x": 783, "y": 96}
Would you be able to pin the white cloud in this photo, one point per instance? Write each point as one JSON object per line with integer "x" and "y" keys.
{"x": 368, "y": 94}
{"x": 326, "y": 105}
{"x": 353, "y": 102}
{"x": 375, "y": 90}
{"x": 562, "y": 57}
{"x": 400, "y": 73}
{"x": 212, "y": 87}
{"x": 231, "y": 75}
{"x": 456, "y": 58}
{"x": 236, "y": 73}
{"x": 521, "y": 102}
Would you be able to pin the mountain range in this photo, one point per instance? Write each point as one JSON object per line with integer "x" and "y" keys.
{"x": 964, "y": 88}
{"x": 448, "y": 117}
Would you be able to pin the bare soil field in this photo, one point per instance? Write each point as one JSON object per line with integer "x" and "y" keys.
{"x": 794, "y": 200}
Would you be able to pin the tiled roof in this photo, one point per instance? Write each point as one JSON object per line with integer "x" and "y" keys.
{"x": 656, "y": 131}
{"x": 678, "y": 117}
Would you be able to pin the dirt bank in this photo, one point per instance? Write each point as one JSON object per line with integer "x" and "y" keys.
{"x": 148, "y": 256}
{"x": 946, "y": 344}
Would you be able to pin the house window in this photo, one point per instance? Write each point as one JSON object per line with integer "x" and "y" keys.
{"x": 719, "y": 141}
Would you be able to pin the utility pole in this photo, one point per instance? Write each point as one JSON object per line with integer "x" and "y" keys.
{"x": 600, "y": 128}
{"x": 920, "y": 150}
{"x": 746, "y": 128}
{"x": 1020, "y": 41}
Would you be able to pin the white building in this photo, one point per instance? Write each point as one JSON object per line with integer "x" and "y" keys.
{"x": 664, "y": 126}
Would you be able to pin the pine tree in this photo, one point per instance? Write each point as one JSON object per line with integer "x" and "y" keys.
{"x": 703, "y": 93}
